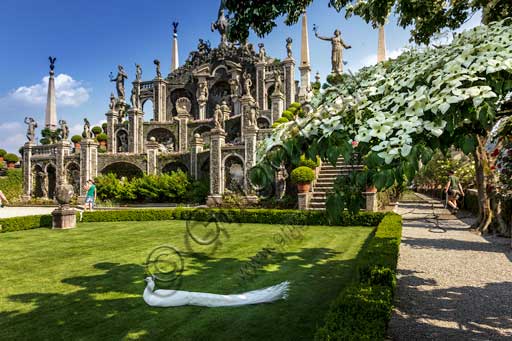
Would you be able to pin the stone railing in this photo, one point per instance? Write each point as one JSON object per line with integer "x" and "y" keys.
{"x": 264, "y": 133}
{"x": 44, "y": 150}
{"x": 271, "y": 67}
{"x": 146, "y": 85}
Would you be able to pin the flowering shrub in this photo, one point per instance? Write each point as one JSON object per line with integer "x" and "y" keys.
{"x": 395, "y": 114}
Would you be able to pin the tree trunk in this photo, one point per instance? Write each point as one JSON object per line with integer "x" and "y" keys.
{"x": 484, "y": 212}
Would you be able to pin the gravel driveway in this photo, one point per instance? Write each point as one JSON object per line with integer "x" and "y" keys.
{"x": 452, "y": 284}
{"x": 8, "y": 212}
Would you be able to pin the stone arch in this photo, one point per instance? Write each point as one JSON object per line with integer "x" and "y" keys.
{"x": 73, "y": 176}
{"x": 173, "y": 166}
{"x": 51, "y": 175}
{"x": 123, "y": 169}
{"x": 145, "y": 109}
{"x": 220, "y": 71}
{"x": 38, "y": 176}
{"x": 233, "y": 173}
{"x": 269, "y": 91}
{"x": 263, "y": 122}
{"x": 121, "y": 140}
{"x": 163, "y": 136}
{"x": 220, "y": 91}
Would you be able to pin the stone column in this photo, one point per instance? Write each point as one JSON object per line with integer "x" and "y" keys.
{"x": 217, "y": 139}
{"x": 160, "y": 100}
{"x": 88, "y": 163}
{"x": 277, "y": 106}
{"x": 27, "y": 172}
{"x": 250, "y": 138}
{"x": 202, "y": 108}
{"x": 246, "y": 103}
{"x": 152, "y": 154}
{"x": 372, "y": 205}
{"x": 236, "y": 105}
{"x": 289, "y": 81}
{"x": 261, "y": 95}
{"x": 62, "y": 150}
{"x": 196, "y": 148}
{"x": 111, "y": 131}
{"x": 183, "y": 132}
{"x": 135, "y": 134}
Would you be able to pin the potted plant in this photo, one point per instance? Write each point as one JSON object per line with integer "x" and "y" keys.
{"x": 302, "y": 176}
{"x": 11, "y": 160}
{"x": 2, "y": 154}
{"x": 96, "y": 130}
{"x": 102, "y": 139}
{"x": 76, "y": 139}
{"x": 104, "y": 127}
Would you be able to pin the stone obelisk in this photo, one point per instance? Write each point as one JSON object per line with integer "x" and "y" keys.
{"x": 51, "y": 105}
{"x": 174, "y": 61}
{"x": 381, "y": 50}
{"x": 305, "y": 66}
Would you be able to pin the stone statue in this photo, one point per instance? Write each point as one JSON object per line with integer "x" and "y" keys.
{"x": 158, "y": 73}
{"x": 262, "y": 52}
{"x": 119, "y": 79}
{"x": 337, "y": 50}
{"x": 251, "y": 118}
{"x": 133, "y": 98}
{"x": 64, "y": 129}
{"x": 203, "y": 91}
{"x": 226, "y": 110}
{"x": 221, "y": 25}
{"x": 138, "y": 72}
{"x": 234, "y": 85}
{"x": 278, "y": 84}
{"x": 112, "y": 104}
{"x": 289, "y": 47}
{"x": 44, "y": 184}
{"x": 281, "y": 176}
{"x": 123, "y": 142}
{"x": 31, "y": 129}
{"x": 87, "y": 129}
{"x": 203, "y": 47}
{"x": 219, "y": 118}
{"x": 247, "y": 83}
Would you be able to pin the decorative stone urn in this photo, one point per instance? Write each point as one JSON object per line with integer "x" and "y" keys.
{"x": 303, "y": 187}
{"x": 64, "y": 217}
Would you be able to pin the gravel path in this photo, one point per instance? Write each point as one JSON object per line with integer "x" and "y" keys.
{"x": 8, "y": 212}
{"x": 452, "y": 285}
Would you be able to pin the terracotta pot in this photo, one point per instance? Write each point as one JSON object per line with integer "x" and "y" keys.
{"x": 371, "y": 189}
{"x": 303, "y": 188}
{"x": 1, "y": 159}
{"x": 77, "y": 145}
{"x": 103, "y": 144}
{"x": 10, "y": 165}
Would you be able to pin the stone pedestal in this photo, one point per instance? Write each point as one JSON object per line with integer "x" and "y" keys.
{"x": 27, "y": 171}
{"x": 372, "y": 205}
{"x": 202, "y": 109}
{"x": 289, "y": 81}
{"x": 135, "y": 135}
{"x": 196, "y": 148}
{"x": 88, "y": 163}
{"x": 64, "y": 218}
{"x": 217, "y": 139}
{"x": 236, "y": 105}
{"x": 304, "y": 200}
{"x": 261, "y": 95}
{"x": 277, "y": 106}
{"x": 183, "y": 132}
{"x": 152, "y": 153}
{"x": 160, "y": 100}
{"x": 111, "y": 131}
{"x": 62, "y": 150}
{"x": 246, "y": 103}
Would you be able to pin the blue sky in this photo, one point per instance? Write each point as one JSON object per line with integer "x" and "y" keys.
{"x": 91, "y": 37}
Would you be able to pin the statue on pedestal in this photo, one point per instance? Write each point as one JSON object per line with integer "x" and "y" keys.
{"x": 203, "y": 91}
{"x": 31, "y": 129}
{"x": 281, "y": 176}
{"x": 87, "y": 129}
{"x": 64, "y": 129}
{"x": 234, "y": 85}
{"x": 138, "y": 72}
{"x": 134, "y": 99}
{"x": 226, "y": 110}
{"x": 278, "y": 84}
{"x": 157, "y": 64}
{"x": 337, "y": 50}
{"x": 119, "y": 79}
{"x": 247, "y": 83}
{"x": 251, "y": 116}
{"x": 112, "y": 103}
{"x": 221, "y": 25}
{"x": 289, "y": 47}
{"x": 262, "y": 52}
{"x": 219, "y": 118}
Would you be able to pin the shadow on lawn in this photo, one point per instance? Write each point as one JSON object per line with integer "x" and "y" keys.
{"x": 456, "y": 313}
{"x": 110, "y": 305}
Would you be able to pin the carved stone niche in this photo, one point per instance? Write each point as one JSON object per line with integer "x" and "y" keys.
{"x": 183, "y": 106}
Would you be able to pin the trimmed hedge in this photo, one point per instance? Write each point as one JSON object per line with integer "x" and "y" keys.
{"x": 363, "y": 310}
{"x": 25, "y": 223}
{"x": 238, "y": 215}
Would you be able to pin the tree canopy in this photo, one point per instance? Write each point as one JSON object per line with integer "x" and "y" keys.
{"x": 427, "y": 17}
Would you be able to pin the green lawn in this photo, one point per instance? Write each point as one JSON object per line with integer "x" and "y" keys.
{"x": 87, "y": 283}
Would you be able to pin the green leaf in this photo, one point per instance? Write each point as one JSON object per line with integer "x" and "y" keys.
{"x": 379, "y": 180}
{"x": 469, "y": 144}
{"x": 332, "y": 154}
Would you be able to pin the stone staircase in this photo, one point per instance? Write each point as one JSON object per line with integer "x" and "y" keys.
{"x": 325, "y": 181}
